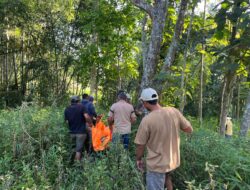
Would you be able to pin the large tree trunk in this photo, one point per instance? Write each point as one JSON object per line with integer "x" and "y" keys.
{"x": 144, "y": 39}
{"x": 238, "y": 101}
{"x": 183, "y": 74}
{"x": 23, "y": 78}
{"x": 93, "y": 75}
{"x": 2, "y": 70}
{"x": 226, "y": 99}
{"x": 230, "y": 78}
{"x": 246, "y": 119}
{"x": 158, "y": 15}
{"x": 15, "y": 71}
{"x": 170, "y": 57}
{"x": 118, "y": 66}
{"x": 92, "y": 82}
{"x": 7, "y": 68}
{"x": 200, "y": 108}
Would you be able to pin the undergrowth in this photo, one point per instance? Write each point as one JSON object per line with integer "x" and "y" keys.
{"x": 35, "y": 155}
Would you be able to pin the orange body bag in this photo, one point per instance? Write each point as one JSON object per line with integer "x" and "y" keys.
{"x": 101, "y": 136}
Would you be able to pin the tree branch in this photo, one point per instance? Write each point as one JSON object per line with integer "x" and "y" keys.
{"x": 144, "y": 6}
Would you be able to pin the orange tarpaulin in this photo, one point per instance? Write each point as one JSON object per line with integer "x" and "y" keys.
{"x": 101, "y": 136}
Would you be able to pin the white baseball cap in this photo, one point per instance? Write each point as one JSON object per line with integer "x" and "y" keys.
{"x": 148, "y": 94}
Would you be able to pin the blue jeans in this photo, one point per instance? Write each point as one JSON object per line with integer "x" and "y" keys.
{"x": 155, "y": 180}
{"x": 124, "y": 139}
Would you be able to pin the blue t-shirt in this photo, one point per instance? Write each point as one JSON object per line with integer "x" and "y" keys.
{"x": 85, "y": 102}
{"x": 89, "y": 108}
{"x": 74, "y": 114}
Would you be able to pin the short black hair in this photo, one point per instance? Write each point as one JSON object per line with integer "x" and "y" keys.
{"x": 120, "y": 91}
{"x": 122, "y": 96}
{"x": 153, "y": 102}
{"x": 85, "y": 96}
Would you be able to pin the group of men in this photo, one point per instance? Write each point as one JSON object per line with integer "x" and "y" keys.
{"x": 158, "y": 132}
{"x": 80, "y": 117}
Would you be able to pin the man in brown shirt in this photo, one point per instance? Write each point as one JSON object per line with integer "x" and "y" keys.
{"x": 159, "y": 133}
{"x": 122, "y": 115}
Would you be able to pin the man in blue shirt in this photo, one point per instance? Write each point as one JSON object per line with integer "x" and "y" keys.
{"x": 91, "y": 109}
{"x": 85, "y": 100}
{"x": 76, "y": 116}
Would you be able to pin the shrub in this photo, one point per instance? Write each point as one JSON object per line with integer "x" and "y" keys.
{"x": 35, "y": 155}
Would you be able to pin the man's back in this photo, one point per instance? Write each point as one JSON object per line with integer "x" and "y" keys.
{"x": 74, "y": 114}
{"x": 122, "y": 112}
{"x": 85, "y": 103}
{"x": 159, "y": 130}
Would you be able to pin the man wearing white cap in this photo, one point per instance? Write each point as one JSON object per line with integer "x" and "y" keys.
{"x": 159, "y": 133}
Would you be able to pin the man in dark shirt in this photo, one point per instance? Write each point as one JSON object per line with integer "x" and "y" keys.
{"x": 76, "y": 116}
{"x": 85, "y": 100}
{"x": 91, "y": 109}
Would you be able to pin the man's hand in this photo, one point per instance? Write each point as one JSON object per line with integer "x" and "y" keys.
{"x": 88, "y": 119}
{"x": 110, "y": 120}
{"x": 89, "y": 129}
{"x": 139, "y": 155}
{"x": 140, "y": 165}
{"x": 133, "y": 120}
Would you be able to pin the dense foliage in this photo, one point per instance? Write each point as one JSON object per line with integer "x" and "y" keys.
{"x": 198, "y": 61}
{"x": 50, "y": 49}
{"x": 34, "y": 147}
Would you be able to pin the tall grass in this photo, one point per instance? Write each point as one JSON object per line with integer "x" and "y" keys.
{"x": 35, "y": 155}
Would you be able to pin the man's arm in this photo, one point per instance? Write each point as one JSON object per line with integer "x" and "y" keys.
{"x": 111, "y": 118}
{"x": 185, "y": 125}
{"x": 132, "y": 120}
{"x": 111, "y": 122}
{"x": 88, "y": 119}
{"x": 139, "y": 154}
{"x": 92, "y": 110}
{"x": 133, "y": 116}
{"x": 188, "y": 129}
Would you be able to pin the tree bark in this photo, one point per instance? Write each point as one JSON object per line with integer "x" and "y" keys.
{"x": 238, "y": 102}
{"x": 15, "y": 71}
{"x": 183, "y": 74}
{"x": 226, "y": 99}
{"x": 93, "y": 75}
{"x": 7, "y": 67}
{"x": 246, "y": 119}
{"x": 144, "y": 40}
{"x": 55, "y": 49}
{"x": 23, "y": 80}
{"x": 170, "y": 57}
{"x": 92, "y": 82}
{"x": 200, "y": 108}
{"x": 158, "y": 15}
{"x": 2, "y": 66}
{"x": 230, "y": 77}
